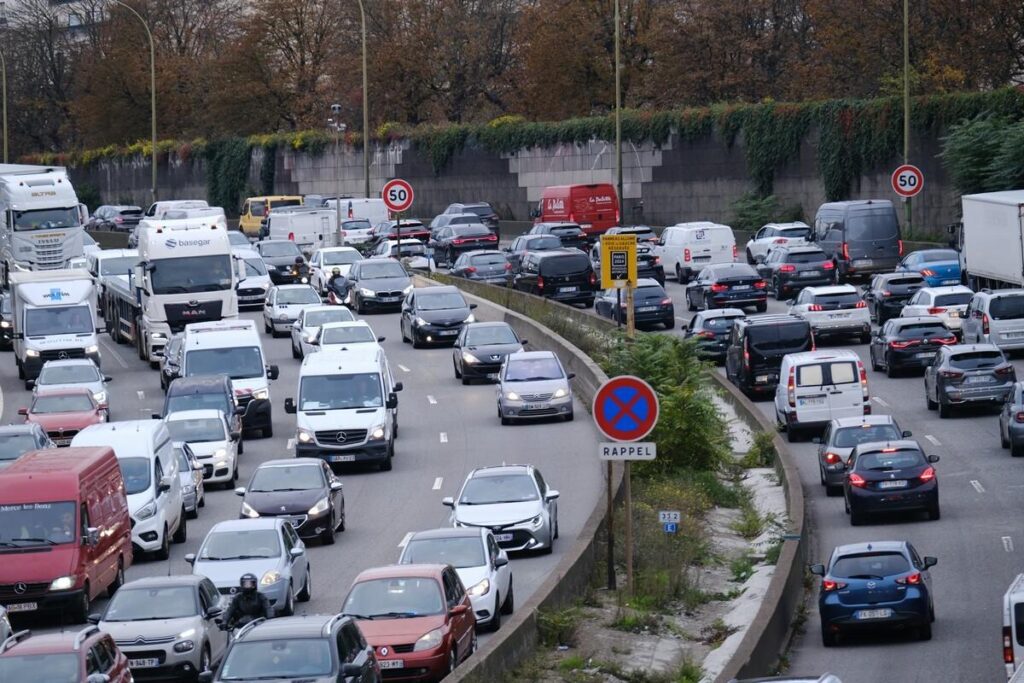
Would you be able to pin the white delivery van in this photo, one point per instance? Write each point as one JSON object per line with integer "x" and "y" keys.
{"x": 371, "y": 209}
{"x": 214, "y": 214}
{"x": 1013, "y": 628}
{"x": 150, "y": 471}
{"x": 686, "y": 248}
{"x": 816, "y": 387}
{"x": 310, "y": 228}
{"x": 346, "y": 408}
{"x": 158, "y": 209}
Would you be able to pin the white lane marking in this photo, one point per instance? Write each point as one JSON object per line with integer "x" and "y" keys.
{"x": 291, "y": 444}
{"x": 110, "y": 349}
{"x": 444, "y": 437}
{"x": 1007, "y": 544}
{"x": 880, "y": 401}
{"x": 431, "y": 400}
{"x": 403, "y": 368}
{"x": 141, "y": 394}
{"x": 935, "y": 442}
{"x": 682, "y": 320}
{"x": 977, "y": 486}
{"x": 405, "y": 540}
{"x": 1, "y": 401}
{"x": 437, "y": 483}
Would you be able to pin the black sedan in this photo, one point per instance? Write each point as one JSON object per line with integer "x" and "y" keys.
{"x": 651, "y": 305}
{"x": 481, "y": 348}
{"x": 908, "y": 344}
{"x": 525, "y": 244}
{"x": 569, "y": 234}
{"x": 968, "y": 374}
{"x": 732, "y": 285}
{"x": 895, "y": 476}
{"x": 376, "y": 283}
{"x": 451, "y": 241}
{"x": 711, "y": 329}
{"x": 434, "y": 315}
{"x": 888, "y": 293}
{"x": 285, "y": 263}
{"x": 302, "y": 490}
{"x": 789, "y": 269}
{"x": 483, "y": 265}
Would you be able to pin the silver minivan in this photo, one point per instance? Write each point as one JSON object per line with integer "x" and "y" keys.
{"x": 995, "y": 318}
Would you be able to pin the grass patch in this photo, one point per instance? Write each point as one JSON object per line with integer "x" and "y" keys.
{"x": 720, "y": 493}
{"x": 742, "y": 569}
{"x": 771, "y": 556}
{"x": 636, "y": 621}
{"x": 715, "y": 634}
{"x": 689, "y": 672}
{"x": 762, "y": 451}
{"x": 558, "y": 627}
{"x": 750, "y": 524}
{"x": 572, "y": 663}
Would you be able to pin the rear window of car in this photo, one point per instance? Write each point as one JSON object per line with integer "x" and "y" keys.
{"x": 920, "y": 330}
{"x": 840, "y": 299}
{"x": 565, "y": 265}
{"x": 940, "y": 255}
{"x": 488, "y": 260}
{"x": 852, "y": 436}
{"x": 546, "y": 242}
{"x": 567, "y": 230}
{"x": 813, "y": 375}
{"x": 871, "y": 225}
{"x": 479, "y": 210}
{"x": 976, "y": 360}
{"x": 1006, "y": 308}
{"x": 468, "y": 230}
{"x": 794, "y": 233}
{"x": 734, "y": 270}
{"x": 904, "y": 282}
{"x": 805, "y": 257}
{"x": 892, "y": 460}
{"x": 869, "y": 565}
{"x": 961, "y": 299}
{"x": 720, "y": 324}
{"x": 783, "y": 337}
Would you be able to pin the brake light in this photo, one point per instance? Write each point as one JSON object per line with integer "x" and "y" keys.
{"x": 791, "y": 387}
{"x": 734, "y": 252}
{"x": 1006, "y": 371}
{"x": 936, "y": 310}
{"x": 787, "y": 268}
{"x": 928, "y": 474}
{"x": 118, "y": 219}
{"x": 984, "y": 323}
{"x": 903, "y": 344}
{"x": 951, "y": 374}
{"x": 344, "y": 233}
{"x": 508, "y": 266}
{"x": 899, "y": 243}
{"x": 618, "y": 216}
{"x": 815, "y": 307}
{"x": 666, "y": 301}
{"x": 910, "y": 580}
{"x": 1019, "y": 417}
{"x": 471, "y": 269}
{"x": 705, "y": 334}
{"x": 540, "y": 282}
{"x": 291, "y": 236}
{"x": 927, "y": 272}
{"x": 946, "y": 341}
{"x": 593, "y": 279}
{"x": 779, "y": 240}
{"x": 572, "y": 217}
{"x": 846, "y": 251}
{"x": 832, "y": 458}
{"x": 857, "y": 480}
{"x": 861, "y": 304}
{"x": 746, "y": 357}
{"x": 1007, "y": 645}
{"x": 686, "y": 254}
{"x": 828, "y": 265}
{"x": 459, "y": 241}
{"x": 864, "y": 383}
{"x": 719, "y": 287}
{"x": 657, "y": 260}
{"x": 491, "y": 238}
{"x": 828, "y": 585}
{"x": 886, "y": 292}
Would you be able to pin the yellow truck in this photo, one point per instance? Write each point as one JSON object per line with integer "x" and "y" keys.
{"x": 255, "y": 210}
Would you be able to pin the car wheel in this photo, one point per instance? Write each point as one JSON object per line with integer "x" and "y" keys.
{"x": 327, "y": 536}
{"x": 505, "y": 420}
{"x": 679, "y": 274}
{"x": 762, "y": 307}
{"x": 690, "y": 306}
{"x": 833, "y": 491}
{"x": 307, "y": 587}
{"x": 453, "y": 660}
{"x": 865, "y": 338}
{"x": 874, "y": 363}
{"x": 266, "y": 326}
{"x": 80, "y": 612}
{"x": 202, "y": 501}
{"x": 387, "y": 464}
{"x": 890, "y": 371}
{"x": 1016, "y": 451}
{"x": 295, "y": 353}
{"x": 289, "y": 603}
{"x": 496, "y": 614}
{"x": 118, "y": 579}
{"x": 165, "y": 547}
{"x": 204, "y": 660}
{"x": 569, "y": 417}
{"x": 458, "y": 374}
{"x": 670, "y": 323}
{"x": 792, "y": 435}
{"x": 935, "y": 513}
{"x": 932, "y": 405}
{"x": 924, "y": 631}
{"x": 265, "y": 433}
{"x": 181, "y": 533}
{"x": 945, "y": 410}
{"x": 341, "y": 527}
{"x": 21, "y": 371}
{"x": 1003, "y": 441}
{"x": 828, "y": 639}
{"x": 856, "y": 518}
{"x": 359, "y": 304}
{"x": 750, "y": 258}
{"x": 509, "y": 605}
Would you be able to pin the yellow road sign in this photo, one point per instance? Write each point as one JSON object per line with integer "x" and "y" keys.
{"x": 618, "y": 261}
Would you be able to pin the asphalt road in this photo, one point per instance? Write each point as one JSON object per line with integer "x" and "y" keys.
{"x": 446, "y": 429}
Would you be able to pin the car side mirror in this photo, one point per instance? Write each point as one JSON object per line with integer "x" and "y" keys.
{"x": 907, "y": 433}
{"x": 524, "y": 342}
{"x": 197, "y": 466}
{"x": 351, "y": 670}
{"x": 240, "y": 491}
{"x": 392, "y": 402}
{"x": 95, "y": 618}
{"x": 190, "y": 558}
{"x": 22, "y": 411}
{"x": 289, "y": 406}
{"x": 397, "y": 387}
{"x": 297, "y": 552}
{"x": 214, "y": 611}
{"x": 933, "y": 459}
{"x": 272, "y": 372}
{"x": 791, "y": 302}
{"x": 92, "y": 536}
{"x": 472, "y": 306}
{"x": 239, "y": 410}
{"x": 500, "y": 561}
{"x": 571, "y": 375}
{"x": 205, "y": 677}
{"x": 448, "y": 501}
{"x": 759, "y": 259}
{"x": 381, "y": 339}
{"x": 817, "y": 569}
{"x": 108, "y": 378}
{"x": 156, "y": 416}
{"x": 552, "y": 495}
{"x": 30, "y": 384}
{"x": 165, "y": 484}
{"x": 930, "y": 561}
{"x": 337, "y": 486}
{"x": 458, "y": 609}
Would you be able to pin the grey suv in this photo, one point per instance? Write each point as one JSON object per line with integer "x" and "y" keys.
{"x": 995, "y": 318}
{"x": 967, "y": 374}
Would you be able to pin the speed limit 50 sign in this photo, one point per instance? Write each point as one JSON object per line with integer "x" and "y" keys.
{"x": 907, "y": 180}
{"x": 397, "y": 195}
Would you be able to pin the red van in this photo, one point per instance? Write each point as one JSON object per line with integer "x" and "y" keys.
{"x": 65, "y": 534}
{"x": 595, "y": 208}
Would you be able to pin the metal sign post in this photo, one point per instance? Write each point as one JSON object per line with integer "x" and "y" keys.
{"x": 618, "y": 270}
{"x": 398, "y": 196}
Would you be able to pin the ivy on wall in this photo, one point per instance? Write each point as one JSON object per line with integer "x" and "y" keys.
{"x": 227, "y": 171}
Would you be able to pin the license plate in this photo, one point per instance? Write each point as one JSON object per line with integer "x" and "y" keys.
{"x": 809, "y": 273}
{"x": 927, "y": 354}
{"x": 893, "y": 484}
{"x": 448, "y": 333}
{"x": 864, "y": 262}
{"x": 502, "y": 538}
{"x": 812, "y": 401}
{"x": 62, "y": 442}
{"x": 950, "y": 282}
{"x": 342, "y": 458}
{"x": 391, "y": 663}
{"x": 838, "y": 316}
{"x": 646, "y": 309}
{"x": 389, "y": 299}
{"x": 740, "y": 288}
{"x": 568, "y": 289}
{"x": 761, "y": 378}
{"x": 143, "y": 663}
{"x": 978, "y": 379}
{"x": 1013, "y": 335}
{"x": 535, "y": 406}
{"x": 874, "y": 614}
{"x": 22, "y": 607}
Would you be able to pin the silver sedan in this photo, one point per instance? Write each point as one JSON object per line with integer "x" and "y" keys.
{"x": 533, "y": 385}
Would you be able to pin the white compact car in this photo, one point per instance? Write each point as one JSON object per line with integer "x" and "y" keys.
{"x": 215, "y": 446}
{"x": 775, "y": 234}
{"x": 283, "y": 305}
{"x": 307, "y": 325}
{"x": 323, "y": 262}
{"x": 949, "y": 304}
{"x": 837, "y": 310}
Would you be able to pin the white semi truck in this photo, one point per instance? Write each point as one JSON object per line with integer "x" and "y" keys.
{"x": 186, "y": 273}
{"x": 54, "y": 318}
{"x": 991, "y": 240}
{"x": 40, "y": 220}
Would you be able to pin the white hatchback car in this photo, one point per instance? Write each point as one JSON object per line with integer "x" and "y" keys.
{"x": 775, "y": 234}
{"x": 343, "y": 336}
{"x": 283, "y": 305}
{"x": 323, "y": 262}
{"x": 215, "y": 446}
{"x": 946, "y": 303}
{"x": 307, "y": 325}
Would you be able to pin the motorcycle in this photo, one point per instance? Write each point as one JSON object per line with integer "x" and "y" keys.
{"x": 337, "y": 291}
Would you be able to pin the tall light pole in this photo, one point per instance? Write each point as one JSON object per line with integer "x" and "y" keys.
{"x": 366, "y": 110}
{"x": 339, "y": 128}
{"x": 3, "y": 79}
{"x": 152, "y": 86}
{"x": 906, "y": 99}
{"x": 618, "y": 108}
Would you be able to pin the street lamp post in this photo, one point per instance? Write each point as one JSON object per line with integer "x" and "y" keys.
{"x": 366, "y": 109}
{"x": 906, "y": 98}
{"x": 3, "y": 78}
{"x": 339, "y": 128}
{"x": 152, "y": 86}
{"x": 618, "y": 107}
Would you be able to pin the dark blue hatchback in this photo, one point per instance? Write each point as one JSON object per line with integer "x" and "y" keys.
{"x": 870, "y": 586}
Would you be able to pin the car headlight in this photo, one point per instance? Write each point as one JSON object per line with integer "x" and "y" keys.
{"x": 512, "y": 396}
{"x": 377, "y": 433}
{"x": 93, "y": 348}
{"x": 407, "y": 289}
{"x": 188, "y": 488}
{"x": 220, "y": 454}
{"x": 560, "y": 393}
{"x": 469, "y": 358}
{"x": 261, "y": 394}
{"x": 420, "y": 322}
{"x": 428, "y": 641}
{"x": 305, "y": 280}
{"x": 184, "y": 646}
{"x": 249, "y": 511}
{"x": 309, "y": 338}
{"x": 537, "y": 521}
{"x": 480, "y": 588}
{"x": 63, "y": 583}
{"x": 270, "y": 267}
{"x": 5, "y": 324}
{"x": 31, "y": 353}
{"x": 146, "y": 511}
{"x": 271, "y": 577}
{"x": 367, "y": 292}
{"x": 469, "y": 319}
{"x": 320, "y": 507}
{"x": 100, "y": 397}
{"x": 158, "y": 336}
{"x": 304, "y": 436}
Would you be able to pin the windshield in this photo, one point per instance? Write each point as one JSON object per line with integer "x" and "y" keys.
{"x": 356, "y": 334}
{"x": 42, "y": 322}
{"x": 383, "y": 269}
{"x": 341, "y": 258}
{"x": 360, "y": 224}
{"x": 440, "y": 302}
{"x": 180, "y": 402}
{"x": 542, "y": 243}
{"x": 340, "y": 392}
{"x": 150, "y": 604}
{"x": 192, "y": 274}
{"x": 68, "y": 374}
{"x": 921, "y": 330}
{"x": 119, "y": 265}
{"x": 136, "y": 473}
{"x": 289, "y": 478}
{"x": 458, "y": 552}
{"x": 298, "y": 295}
{"x": 52, "y": 668}
{"x": 254, "y": 267}
{"x": 531, "y": 369}
{"x": 895, "y": 460}
{"x": 779, "y": 337}
{"x": 237, "y": 362}
{"x": 241, "y": 544}
{"x": 564, "y": 265}
{"x": 23, "y": 524}
{"x": 805, "y": 257}
{"x": 977, "y": 360}
{"x": 1006, "y": 308}
{"x": 12, "y": 446}
{"x": 871, "y": 225}
{"x": 488, "y": 260}
{"x": 276, "y": 249}
{"x": 338, "y": 314}
{"x": 279, "y": 659}
{"x": 483, "y": 336}
{"x": 959, "y": 299}
{"x": 201, "y": 429}
{"x": 501, "y": 488}
{"x": 45, "y": 219}
{"x": 875, "y": 565}
{"x": 394, "y": 598}
{"x": 63, "y": 403}
{"x": 851, "y": 436}
{"x": 936, "y": 255}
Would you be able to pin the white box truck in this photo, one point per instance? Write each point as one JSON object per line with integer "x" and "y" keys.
{"x": 186, "y": 273}
{"x": 54, "y": 318}
{"x": 991, "y": 240}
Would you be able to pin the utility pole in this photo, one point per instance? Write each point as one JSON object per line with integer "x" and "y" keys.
{"x": 906, "y": 103}
{"x": 618, "y": 106}
{"x": 338, "y": 127}
{"x": 366, "y": 110}
{"x": 152, "y": 88}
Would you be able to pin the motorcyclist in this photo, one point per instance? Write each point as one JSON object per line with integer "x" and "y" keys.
{"x": 249, "y": 604}
{"x": 336, "y": 286}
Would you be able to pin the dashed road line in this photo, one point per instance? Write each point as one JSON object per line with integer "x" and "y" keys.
{"x": 444, "y": 437}
{"x": 141, "y": 394}
{"x": 403, "y": 368}
{"x": 437, "y": 483}
{"x": 977, "y": 486}
{"x": 291, "y": 444}
{"x": 1007, "y": 544}
{"x": 935, "y": 442}
{"x": 880, "y": 401}
{"x": 431, "y": 400}
{"x": 405, "y": 540}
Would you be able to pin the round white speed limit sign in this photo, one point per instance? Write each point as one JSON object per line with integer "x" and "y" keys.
{"x": 907, "y": 180}
{"x": 397, "y": 195}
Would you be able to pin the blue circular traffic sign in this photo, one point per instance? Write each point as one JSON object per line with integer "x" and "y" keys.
{"x": 625, "y": 408}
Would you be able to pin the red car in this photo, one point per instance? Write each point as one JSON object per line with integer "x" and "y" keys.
{"x": 62, "y": 413}
{"x": 417, "y": 617}
{"x": 69, "y": 657}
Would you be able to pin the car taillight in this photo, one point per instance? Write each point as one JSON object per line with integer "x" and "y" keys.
{"x": 857, "y": 480}
{"x": 593, "y": 279}
{"x": 791, "y": 387}
{"x": 910, "y": 579}
{"x": 705, "y": 334}
{"x": 760, "y": 284}
{"x": 937, "y": 309}
{"x": 899, "y": 243}
{"x": 344, "y": 233}
{"x": 946, "y": 341}
{"x": 903, "y": 344}
{"x": 951, "y": 374}
{"x": 815, "y": 307}
{"x": 861, "y": 304}
{"x": 291, "y": 236}
{"x": 734, "y": 252}
{"x": 118, "y": 219}
{"x": 828, "y": 265}
{"x": 540, "y": 282}
{"x": 717, "y": 287}
{"x": 686, "y": 254}
{"x": 885, "y": 293}
{"x": 1007, "y": 645}
{"x": 1019, "y": 417}
{"x": 657, "y": 260}
{"x": 746, "y": 357}
{"x": 618, "y": 216}
{"x": 779, "y": 240}
{"x": 491, "y": 238}
{"x": 787, "y": 268}
{"x": 459, "y": 241}
{"x": 828, "y": 585}
{"x": 928, "y": 474}
{"x": 984, "y": 323}
{"x": 846, "y": 251}
{"x": 927, "y": 272}
{"x": 508, "y": 266}
{"x": 471, "y": 269}
{"x": 832, "y": 458}
{"x": 666, "y": 301}
{"x": 864, "y": 384}
{"x": 1006, "y": 371}
{"x": 572, "y": 217}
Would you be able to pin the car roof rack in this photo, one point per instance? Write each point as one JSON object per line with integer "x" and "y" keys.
{"x": 86, "y": 632}
{"x": 14, "y": 639}
{"x": 248, "y": 627}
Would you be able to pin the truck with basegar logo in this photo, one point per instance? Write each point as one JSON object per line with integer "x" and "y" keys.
{"x": 186, "y": 274}
{"x": 40, "y": 220}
